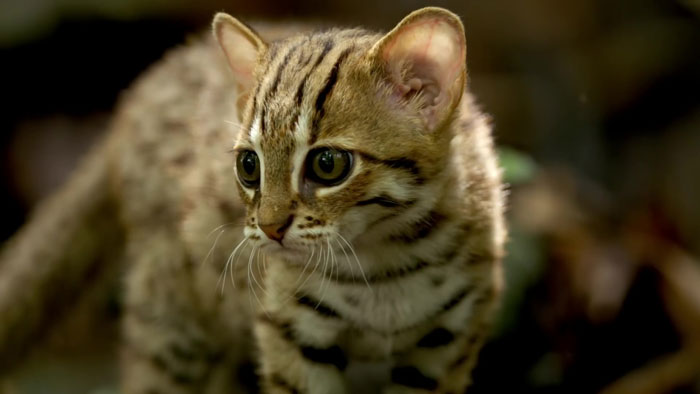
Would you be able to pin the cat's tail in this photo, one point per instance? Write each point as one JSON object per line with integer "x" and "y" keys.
{"x": 64, "y": 244}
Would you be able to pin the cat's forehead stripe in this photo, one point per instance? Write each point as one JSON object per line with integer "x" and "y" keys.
{"x": 281, "y": 66}
{"x": 292, "y": 74}
{"x": 331, "y": 80}
{"x": 272, "y": 53}
{"x": 327, "y": 46}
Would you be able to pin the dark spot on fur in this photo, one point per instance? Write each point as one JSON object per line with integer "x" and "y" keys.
{"x": 284, "y": 327}
{"x": 247, "y": 376}
{"x": 421, "y": 229}
{"x": 183, "y": 159}
{"x": 187, "y": 206}
{"x": 351, "y": 299}
{"x": 437, "y": 280}
{"x": 317, "y": 306}
{"x": 280, "y": 382}
{"x": 332, "y": 355}
{"x": 459, "y": 361}
{"x": 454, "y": 301}
{"x": 412, "y": 377}
{"x": 436, "y": 338}
{"x": 227, "y": 208}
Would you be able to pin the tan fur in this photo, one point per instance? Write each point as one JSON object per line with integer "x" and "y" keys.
{"x": 398, "y": 258}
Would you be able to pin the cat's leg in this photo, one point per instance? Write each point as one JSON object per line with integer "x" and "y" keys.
{"x": 442, "y": 359}
{"x": 298, "y": 350}
{"x": 168, "y": 347}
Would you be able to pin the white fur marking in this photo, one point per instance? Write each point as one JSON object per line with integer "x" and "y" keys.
{"x": 301, "y": 135}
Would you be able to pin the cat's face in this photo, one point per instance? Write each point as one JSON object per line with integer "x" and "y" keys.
{"x": 331, "y": 150}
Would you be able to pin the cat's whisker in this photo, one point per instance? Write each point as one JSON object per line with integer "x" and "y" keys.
{"x": 233, "y": 123}
{"x": 219, "y": 227}
{"x": 337, "y": 263}
{"x": 347, "y": 259}
{"x": 334, "y": 259}
{"x": 228, "y": 262}
{"x": 303, "y": 271}
{"x": 211, "y": 250}
{"x": 323, "y": 273}
{"x": 324, "y": 289}
{"x": 255, "y": 257}
{"x": 251, "y": 287}
{"x": 257, "y": 264}
{"x": 222, "y": 276}
{"x": 318, "y": 259}
{"x": 232, "y": 276}
{"x": 330, "y": 262}
{"x": 264, "y": 262}
{"x": 357, "y": 260}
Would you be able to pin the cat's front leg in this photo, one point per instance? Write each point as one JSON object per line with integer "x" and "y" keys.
{"x": 167, "y": 347}
{"x": 437, "y": 368}
{"x": 298, "y": 350}
{"x": 425, "y": 368}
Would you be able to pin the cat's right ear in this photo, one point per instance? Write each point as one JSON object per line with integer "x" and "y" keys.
{"x": 243, "y": 49}
{"x": 424, "y": 59}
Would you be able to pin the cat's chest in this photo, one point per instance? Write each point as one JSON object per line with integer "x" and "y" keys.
{"x": 388, "y": 307}
{"x": 391, "y": 318}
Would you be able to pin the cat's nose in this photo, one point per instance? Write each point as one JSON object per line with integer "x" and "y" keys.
{"x": 276, "y": 231}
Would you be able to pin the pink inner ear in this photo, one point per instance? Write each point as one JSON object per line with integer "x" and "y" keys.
{"x": 426, "y": 56}
{"x": 240, "y": 53}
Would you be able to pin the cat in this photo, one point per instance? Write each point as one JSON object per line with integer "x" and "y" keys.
{"x": 313, "y": 203}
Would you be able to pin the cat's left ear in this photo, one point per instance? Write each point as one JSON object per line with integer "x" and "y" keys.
{"x": 243, "y": 49}
{"x": 424, "y": 57}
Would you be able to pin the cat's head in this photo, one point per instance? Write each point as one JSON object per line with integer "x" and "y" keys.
{"x": 345, "y": 132}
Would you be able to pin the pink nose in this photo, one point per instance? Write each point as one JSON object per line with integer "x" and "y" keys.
{"x": 276, "y": 231}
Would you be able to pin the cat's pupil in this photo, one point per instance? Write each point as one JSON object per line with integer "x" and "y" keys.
{"x": 326, "y": 162}
{"x": 249, "y": 163}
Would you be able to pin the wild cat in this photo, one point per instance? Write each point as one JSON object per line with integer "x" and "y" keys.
{"x": 313, "y": 203}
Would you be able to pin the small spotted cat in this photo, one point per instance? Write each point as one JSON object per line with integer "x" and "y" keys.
{"x": 357, "y": 220}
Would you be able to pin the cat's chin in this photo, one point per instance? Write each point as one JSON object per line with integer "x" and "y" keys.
{"x": 291, "y": 253}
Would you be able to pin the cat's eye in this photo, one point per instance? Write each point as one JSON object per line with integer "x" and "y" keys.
{"x": 248, "y": 168}
{"x": 328, "y": 166}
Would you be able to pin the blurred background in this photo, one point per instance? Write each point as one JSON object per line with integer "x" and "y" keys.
{"x": 597, "y": 116}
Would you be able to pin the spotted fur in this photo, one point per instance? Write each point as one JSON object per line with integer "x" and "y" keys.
{"x": 398, "y": 264}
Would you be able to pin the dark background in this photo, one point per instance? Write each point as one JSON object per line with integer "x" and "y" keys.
{"x": 595, "y": 105}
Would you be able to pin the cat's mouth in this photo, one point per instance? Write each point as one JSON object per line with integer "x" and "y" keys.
{"x": 291, "y": 252}
{"x": 283, "y": 248}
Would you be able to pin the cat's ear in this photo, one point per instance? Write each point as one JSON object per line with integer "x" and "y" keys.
{"x": 424, "y": 57}
{"x": 243, "y": 49}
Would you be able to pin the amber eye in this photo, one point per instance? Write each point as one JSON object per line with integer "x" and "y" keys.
{"x": 248, "y": 168}
{"x": 328, "y": 166}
